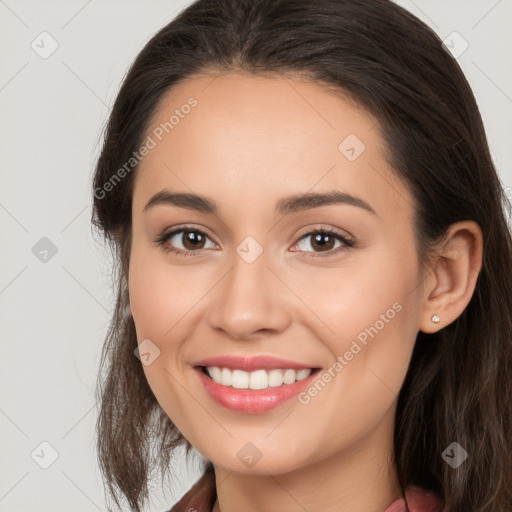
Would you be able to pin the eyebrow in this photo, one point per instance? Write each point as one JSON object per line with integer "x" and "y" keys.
{"x": 291, "y": 204}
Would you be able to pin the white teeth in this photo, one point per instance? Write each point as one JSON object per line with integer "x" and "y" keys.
{"x": 239, "y": 379}
{"x": 215, "y": 373}
{"x": 258, "y": 379}
{"x": 302, "y": 374}
{"x": 275, "y": 378}
{"x": 289, "y": 376}
{"x": 225, "y": 377}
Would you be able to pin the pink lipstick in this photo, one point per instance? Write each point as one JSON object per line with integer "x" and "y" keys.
{"x": 253, "y": 385}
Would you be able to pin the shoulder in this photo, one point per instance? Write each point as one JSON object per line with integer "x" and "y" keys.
{"x": 418, "y": 500}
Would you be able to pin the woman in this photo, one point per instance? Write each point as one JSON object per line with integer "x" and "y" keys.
{"x": 313, "y": 280}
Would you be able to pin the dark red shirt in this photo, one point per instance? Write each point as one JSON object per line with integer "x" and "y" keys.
{"x": 202, "y": 495}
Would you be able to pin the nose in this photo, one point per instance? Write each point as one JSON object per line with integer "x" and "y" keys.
{"x": 250, "y": 301}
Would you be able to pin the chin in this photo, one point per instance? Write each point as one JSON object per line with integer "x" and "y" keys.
{"x": 256, "y": 459}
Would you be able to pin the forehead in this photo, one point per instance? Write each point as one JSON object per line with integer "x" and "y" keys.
{"x": 256, "y": 139}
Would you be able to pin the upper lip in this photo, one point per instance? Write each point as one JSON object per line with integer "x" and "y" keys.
{"x": 250, "y": 363}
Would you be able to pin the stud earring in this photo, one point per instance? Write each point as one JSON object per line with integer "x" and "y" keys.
{"x": 435, "y": 319}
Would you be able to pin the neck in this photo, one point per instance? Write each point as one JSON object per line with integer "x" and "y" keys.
{"x": 361, "y": 478}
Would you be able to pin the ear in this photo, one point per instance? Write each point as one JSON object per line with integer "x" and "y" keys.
{"x": 451, "y": 283}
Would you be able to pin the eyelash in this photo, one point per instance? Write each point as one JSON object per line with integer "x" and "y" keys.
{"x": 164, "y": 237}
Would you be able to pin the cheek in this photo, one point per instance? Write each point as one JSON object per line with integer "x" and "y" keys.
{"x": 155, "y": 311}
{"x": 159, "y": 300}
{"x": 369, "y": 316}
{"x": 369, "y": 289}
{"x": 160, "y": 295}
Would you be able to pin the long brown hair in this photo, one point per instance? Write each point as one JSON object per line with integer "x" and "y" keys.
{"x": 459, "y": 384}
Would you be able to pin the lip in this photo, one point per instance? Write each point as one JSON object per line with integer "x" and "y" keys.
{"x": 250, "y": 364}
{"x": 252, "y": 401}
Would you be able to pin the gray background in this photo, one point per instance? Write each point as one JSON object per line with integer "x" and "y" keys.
{"x": 55, "y": 308}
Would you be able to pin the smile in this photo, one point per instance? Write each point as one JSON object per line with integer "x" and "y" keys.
{"x": 259, "y": 379}
{"x": 252, "y": 385}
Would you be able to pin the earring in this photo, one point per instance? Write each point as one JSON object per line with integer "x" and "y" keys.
{"x": 435, "y": 319}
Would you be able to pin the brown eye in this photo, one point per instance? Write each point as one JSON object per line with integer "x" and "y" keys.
{"x": 191, "y": 240}
{"x": 324, "y": 241}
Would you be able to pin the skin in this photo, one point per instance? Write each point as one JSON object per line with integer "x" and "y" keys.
{"x": 248, "y": 143}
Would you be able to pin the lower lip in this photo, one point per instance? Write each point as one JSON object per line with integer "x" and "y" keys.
{"x": 253, "y": 401}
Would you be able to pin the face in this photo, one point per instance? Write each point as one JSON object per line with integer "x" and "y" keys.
{"x": 309, "y": 307}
